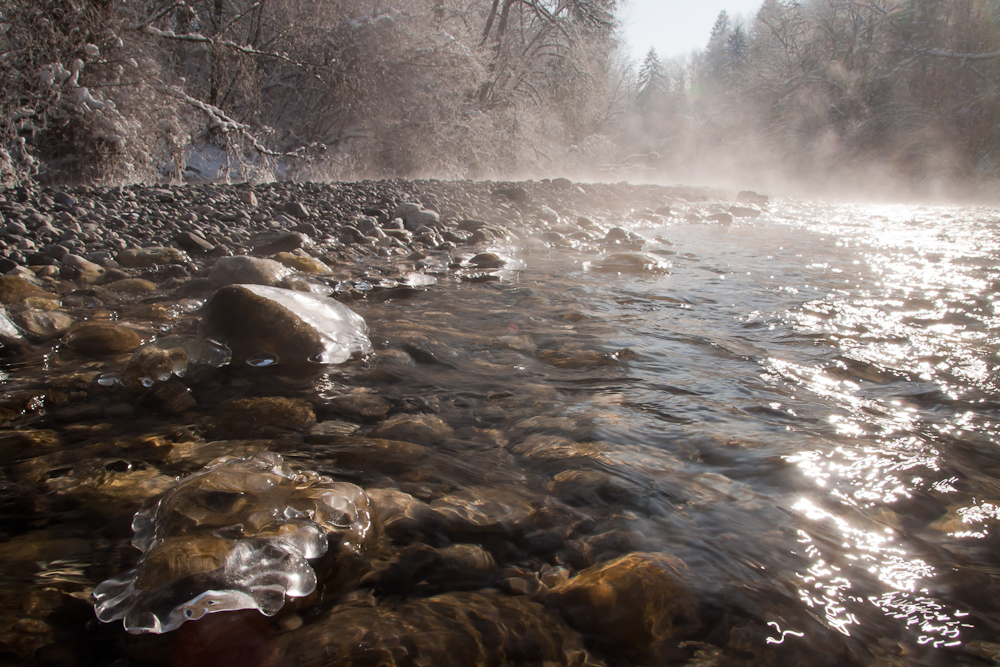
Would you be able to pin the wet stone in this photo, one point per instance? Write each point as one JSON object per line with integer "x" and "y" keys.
{"x": 302, "y": 263}
{"x": 44, "y": 324}
{"x": 131, "y": 286}
{"x": 488, "y": 260}
{"x": 164, "y": 357}
{"x": 192, "y": 243}
{"x": 359, "y": 406}
{"x": 14, "y": 289}
{"x": 629, "y": 262}
{"x": 638, "y": 600}
{"x": 247, "y": 270}
{"x": 270, "y": 243}
{"x": 421, "y": 428}
{"x": 267, "y": 327}
{"x": 448, "y": 630}
{"x": 262, "y": 417}
{"x": 101, "y": 338}
{"x": 483, "y": 510}
{"x": 151, "y": 256}
{"x": 172, "y": 397}
{"x": 721, "y": 218}
{"x": 399, "y": 512}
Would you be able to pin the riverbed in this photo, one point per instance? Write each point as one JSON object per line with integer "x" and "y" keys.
{"x": 730, "y": 432}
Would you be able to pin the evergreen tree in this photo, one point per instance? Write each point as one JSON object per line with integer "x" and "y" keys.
{"x": 651, "y": 84}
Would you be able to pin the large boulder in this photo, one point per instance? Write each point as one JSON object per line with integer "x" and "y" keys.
{"x": 275, "y": 327}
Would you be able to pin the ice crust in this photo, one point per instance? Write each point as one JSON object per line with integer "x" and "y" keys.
{"x": 172, "y": 355}
{"x": 236, "y": 535}
{"x": 344, "y": 332}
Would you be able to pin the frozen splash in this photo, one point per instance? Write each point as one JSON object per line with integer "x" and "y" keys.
{"x": 237, "y": 535}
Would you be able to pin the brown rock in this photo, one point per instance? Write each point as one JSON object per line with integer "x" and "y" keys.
{"x": 638, "y": 600}
{"x": 14, "y": 289}
{"x": 302, "y": 263}
{"x": 270, "y": 327}
{"x": 101, "y": 338}
{"x": 425, "y": 429}
{"x": 263, "y": 417}
{"x": 450, "y": 630}
{"x": 152, "y": 256}
{"x": 131, "y": 286}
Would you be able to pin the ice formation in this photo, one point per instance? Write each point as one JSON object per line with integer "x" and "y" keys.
{"x": 238, "y": 534}
{"x": 172, "y": 355}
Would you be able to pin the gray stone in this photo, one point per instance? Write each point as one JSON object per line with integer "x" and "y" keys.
{"x": 415, "y": 216}
{"x": 247, "y": 270}
{"x": 297, "y": 210}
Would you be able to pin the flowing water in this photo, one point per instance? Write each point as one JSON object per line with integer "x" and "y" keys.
{"x": 803, "y": 408}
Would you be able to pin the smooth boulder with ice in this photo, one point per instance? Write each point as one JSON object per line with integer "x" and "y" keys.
{"x": 243, "y": 533}
{"x": 275, "y": 327}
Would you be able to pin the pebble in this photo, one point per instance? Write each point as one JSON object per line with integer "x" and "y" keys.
{"x": 150, "y": 256}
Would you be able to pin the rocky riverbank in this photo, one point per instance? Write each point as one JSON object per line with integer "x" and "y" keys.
{"x": 147, "y": 332}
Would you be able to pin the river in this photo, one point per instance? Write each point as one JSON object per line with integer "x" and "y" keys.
{"x": 802, "y": 408}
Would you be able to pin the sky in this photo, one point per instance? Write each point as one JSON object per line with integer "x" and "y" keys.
{"x": 675, "y": 27}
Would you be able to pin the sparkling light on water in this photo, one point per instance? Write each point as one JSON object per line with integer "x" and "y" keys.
{"x": 926, "y": 325}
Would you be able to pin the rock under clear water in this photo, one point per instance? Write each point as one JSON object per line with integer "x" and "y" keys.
{"x": 239, "y": 534}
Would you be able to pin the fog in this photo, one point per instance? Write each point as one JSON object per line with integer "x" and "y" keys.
{"x": 826, "y": 97}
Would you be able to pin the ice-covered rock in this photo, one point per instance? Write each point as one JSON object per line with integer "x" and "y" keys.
{"x": 239, "y": 534}
{"x": 172, "y": 355}
{"x": 268, "y": 326}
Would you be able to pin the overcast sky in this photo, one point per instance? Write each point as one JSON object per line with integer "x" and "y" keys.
{"x": 675, "y": 27}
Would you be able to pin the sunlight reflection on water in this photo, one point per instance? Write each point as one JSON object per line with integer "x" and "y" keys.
{"x": 914, "y": 311}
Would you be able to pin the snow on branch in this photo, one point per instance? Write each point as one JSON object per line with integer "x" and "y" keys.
{"x": 962, "y": 56}
{"x": 198, "y": 38}
{"x": 218, "y": 120}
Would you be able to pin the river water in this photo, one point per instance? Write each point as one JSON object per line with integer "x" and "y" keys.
{"x": 801, "y": 407}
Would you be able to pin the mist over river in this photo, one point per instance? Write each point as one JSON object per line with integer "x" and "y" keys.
{"x": 753, "y": 433}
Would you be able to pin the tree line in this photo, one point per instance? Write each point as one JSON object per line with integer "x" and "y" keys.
{"x": 842, "y": 90}
{"x": 133, "y": 90}
{"x": 155, "y": 90}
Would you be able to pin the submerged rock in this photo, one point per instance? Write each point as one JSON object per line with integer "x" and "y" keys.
{"x": 239, "y": 534}
{"x": 637, "y": 600}
{"x": 263, "y": 417}
{"x": 102, "y": 338}
{"x": 270, "y": 326}
{"x": 454, "y": 629}
{"x": 629, "y": 262}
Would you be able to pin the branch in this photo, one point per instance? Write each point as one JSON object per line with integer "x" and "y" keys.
{"x": 198, "y": 38}
{"x": 218, "y": 120}
{"x": 961, "y": 56}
